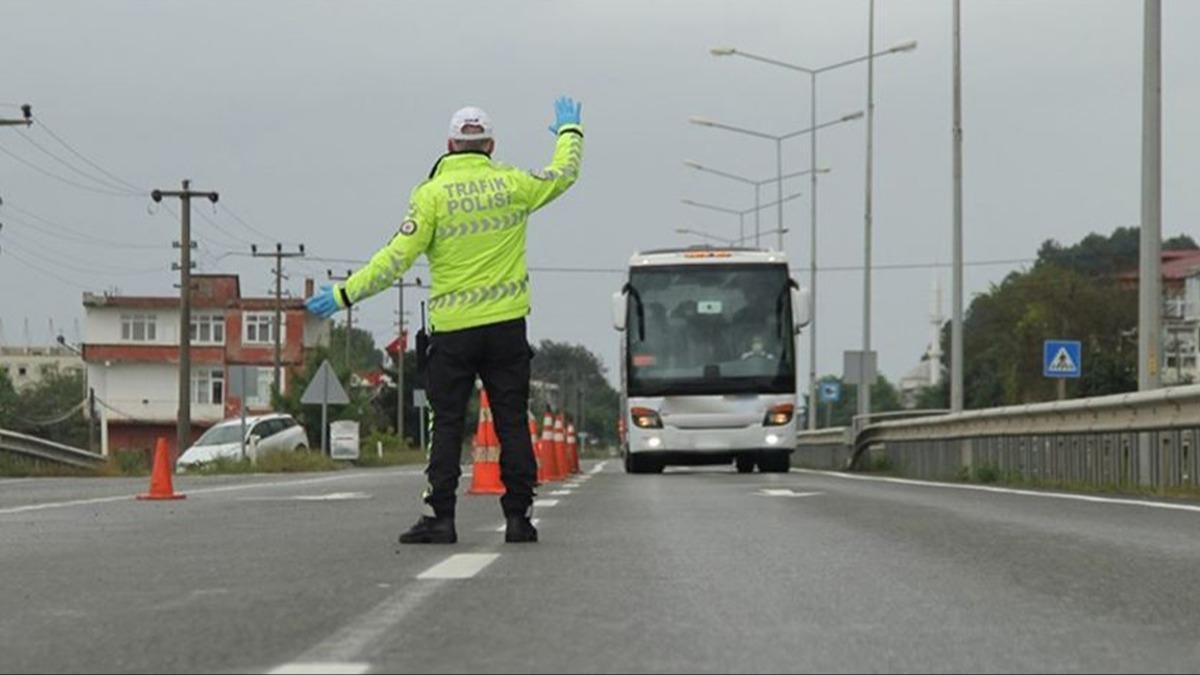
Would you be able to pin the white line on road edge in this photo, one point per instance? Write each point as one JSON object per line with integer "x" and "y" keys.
{"x": 459, "y": 566}
{"x": 201, "y": 491}
{"x": 572, "y": 486}
{"x": 314, "y": 668}
{"x": 561, "y": 493}
{"x": 598, "y": 468}
{"x": 544, "y": 503}
{"x": 1008, "y": 491}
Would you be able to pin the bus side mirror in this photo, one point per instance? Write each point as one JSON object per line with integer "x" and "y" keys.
{"x": 801, "y": 308}
{"x": 620, "y": 309}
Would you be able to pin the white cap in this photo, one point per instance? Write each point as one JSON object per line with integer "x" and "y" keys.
{"x": 470, "y": 116}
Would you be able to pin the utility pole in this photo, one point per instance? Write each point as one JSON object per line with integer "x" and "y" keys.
{"x": 956, "y": 321}
{"x": 185, "y": 244}
{"x": 349, "y": 315}
{"x": 25, "y": 121}
{"x": 279, "y": 254}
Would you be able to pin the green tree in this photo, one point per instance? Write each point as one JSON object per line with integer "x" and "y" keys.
{"x": 51, "y": 408}
{"x": 361, "y": 407}
{"x": 364, "y": 354}
{"x": 574, "y": 369}
{"x": 8, "y": 400}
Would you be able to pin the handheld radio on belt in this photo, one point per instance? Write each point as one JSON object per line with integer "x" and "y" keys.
{"x": 422, "y": 350}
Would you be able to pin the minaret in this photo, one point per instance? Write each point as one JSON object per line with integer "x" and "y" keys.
{"x": 936, "y": 320}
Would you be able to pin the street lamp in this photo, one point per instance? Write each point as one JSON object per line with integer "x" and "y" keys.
{"x": 706, "y": 235}
{"x": 742, "y": 213}
{"x": 812, "y": 73}
{"x": 749, "y": 181}
{"x": 779, "y": 139}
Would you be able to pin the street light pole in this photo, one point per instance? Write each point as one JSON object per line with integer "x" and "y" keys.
{"x": 1150, "y": 273}
{"x": 864, "y": 390}
{"x": 956, "y": 322}
{"x": 812, "y": 73}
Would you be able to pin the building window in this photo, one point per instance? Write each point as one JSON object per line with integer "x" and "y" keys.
{"x": 208, "y": 329}
{"x": 258, "y": 328}
{"x": 139, "y": 327}
{"x": 208, "y": 386}
{"x": 261, "y": 396}
{"x": 1181, "y": 354}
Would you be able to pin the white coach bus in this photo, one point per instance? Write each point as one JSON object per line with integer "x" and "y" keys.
{"x": 708, "y": 359}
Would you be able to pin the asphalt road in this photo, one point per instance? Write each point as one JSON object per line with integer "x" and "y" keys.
{"x": 691, "y": 571}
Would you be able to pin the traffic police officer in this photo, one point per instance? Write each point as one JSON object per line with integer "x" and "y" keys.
{"x": 469, "y": 220}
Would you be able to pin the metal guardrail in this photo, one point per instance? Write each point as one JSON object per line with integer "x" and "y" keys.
{"x": 47, "y": 451}
{"x": 1146, "y": 439}
{"x": 823, "y": 449}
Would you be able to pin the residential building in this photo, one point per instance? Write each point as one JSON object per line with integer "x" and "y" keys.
{"x": 132, "y": 356}
{"x": 26, "y": 366}
{"x": 1180, "y": 316}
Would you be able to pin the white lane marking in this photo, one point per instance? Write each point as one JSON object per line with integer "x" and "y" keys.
{"x": 545, "y": 503}
{"x": 787, "y": 493}
{"x": 201, "y": 491}
{"x": 1009, "y": 491}
{"x": 347, "y": 645}
{"x": 459, "y": 566}
{"x": 333, "y": 497}
{"x": 572, "y": 486}
{"x": 504, "y": 527}
{"x": 598, "y": 468}
{"x": 561, "y": 493}
{"x": 315, "y": 668}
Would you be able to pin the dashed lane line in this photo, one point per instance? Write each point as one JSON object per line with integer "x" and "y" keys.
{"x": 544, "y": 503}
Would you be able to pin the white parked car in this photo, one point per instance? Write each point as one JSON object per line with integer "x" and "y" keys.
{"x": 275, "y": 433}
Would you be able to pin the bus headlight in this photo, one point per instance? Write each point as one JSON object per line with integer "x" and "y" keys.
{"x": 779, "y": 415}
{"x": 645, "y": 418}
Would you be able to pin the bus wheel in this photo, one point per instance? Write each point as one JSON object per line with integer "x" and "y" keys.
{"x": 774, "y": 462}
{"x": 744, "y": 463}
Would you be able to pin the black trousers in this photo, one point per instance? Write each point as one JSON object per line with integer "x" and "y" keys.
{"x": 499, "y": 354}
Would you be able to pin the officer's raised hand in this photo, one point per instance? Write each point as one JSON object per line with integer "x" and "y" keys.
{"x": 324, "y": 304}
{"x": 566, "y": 111}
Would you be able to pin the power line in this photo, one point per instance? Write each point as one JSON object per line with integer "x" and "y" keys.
{"x": 61, "y": 179}
{"x": 46, "y": 151}
{"x": 80, "y": 155}
{"x": 233, "y": 214}
{"x": 89, "y": 267}
{"x": 76, "y": 235}
{"x": 53, "y": 275}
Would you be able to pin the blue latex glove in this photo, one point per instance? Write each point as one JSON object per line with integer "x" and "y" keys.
{"x": 323, "y": 304}
{"x": 566, "y": 111}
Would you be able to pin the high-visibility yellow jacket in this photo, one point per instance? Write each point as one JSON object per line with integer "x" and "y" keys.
{"x": 469, "y": 220}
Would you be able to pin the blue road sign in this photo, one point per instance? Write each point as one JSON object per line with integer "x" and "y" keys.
{"x": 1062, "y": 359}
{"x": 831, "y": 392}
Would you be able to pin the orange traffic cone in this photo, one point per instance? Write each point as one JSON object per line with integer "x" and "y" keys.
{"x": 537, "y": 450}
{"x": 560, "y": 447}
{"x": 573, "y": 448}
{"x": 546, "y": 447}
{"x": 485, "y": 478}
{"x": 160, "y": 476}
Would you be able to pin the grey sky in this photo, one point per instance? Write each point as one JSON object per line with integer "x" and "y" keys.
{"x": 314, "y": 120}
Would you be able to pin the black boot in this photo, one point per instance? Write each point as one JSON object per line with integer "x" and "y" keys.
{"x": 431, "y": 531}
{"x": 520, "y": 531}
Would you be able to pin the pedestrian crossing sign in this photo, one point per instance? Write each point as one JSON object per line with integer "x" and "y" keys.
{"x": 1062, "y": 359}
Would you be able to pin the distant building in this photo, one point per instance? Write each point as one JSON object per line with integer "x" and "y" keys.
{"x": 1181, "y": 314}
{"x": 26, "y": 366}
{"x": 132, "y": 355}
{"x": 929, "y": 372}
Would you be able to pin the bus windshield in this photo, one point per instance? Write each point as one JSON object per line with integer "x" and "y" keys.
{"x": 710, "y": 329}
